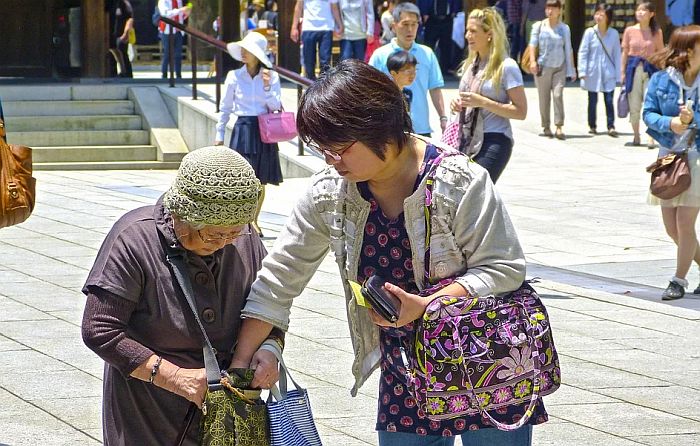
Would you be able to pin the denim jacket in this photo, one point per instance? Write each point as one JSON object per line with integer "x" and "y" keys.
{"x": 662, "y": 103}
{"x": 472, "y": 239}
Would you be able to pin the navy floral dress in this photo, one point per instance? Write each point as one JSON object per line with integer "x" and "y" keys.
{"x": 386, "y": 251}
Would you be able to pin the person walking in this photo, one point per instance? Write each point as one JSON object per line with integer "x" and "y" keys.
{"x": 429, "y": 80}
{"x": 491, "y": 92}
{"x": 599, "y": 65}
{"x": 136, "y": 317}
{"x": 121, "y": 22}
{"x": 250, "y": 91}
{"x": 368, "y": 207}
{"x": 438, "y": 16}
{"x": 387, "y": 21}
{"x": 671, "y": 114}
{"x": 358, "y": 26}
{"x": 552, "y": 62}
{"x": 321, "y": 18}
{"x": 639, "y": 43}
{"x": 177, "y": 11}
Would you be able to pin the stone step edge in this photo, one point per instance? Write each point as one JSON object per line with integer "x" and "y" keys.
{"x": 111, "y": 165}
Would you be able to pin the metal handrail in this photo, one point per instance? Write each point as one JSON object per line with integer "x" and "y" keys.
{"x": 220, "y": 46}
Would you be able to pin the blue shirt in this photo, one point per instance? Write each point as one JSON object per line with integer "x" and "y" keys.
{"x": 428, "y": 76}
{"x": 599, "y": 65}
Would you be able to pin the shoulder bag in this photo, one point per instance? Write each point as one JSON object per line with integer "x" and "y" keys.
{"x": 525, "y": 59}
{"x": 232, "y": 413}
{"x": 478, "y": 354}
{"x": 466, "y": 132}
{"x": 17, "y": 186}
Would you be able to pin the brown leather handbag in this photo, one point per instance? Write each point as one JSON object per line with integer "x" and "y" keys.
{"x": 17, "y": 186}
{"x": 670, "y": 175}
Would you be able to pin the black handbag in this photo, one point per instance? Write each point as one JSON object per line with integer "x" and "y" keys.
{"x": 233, "y": 414}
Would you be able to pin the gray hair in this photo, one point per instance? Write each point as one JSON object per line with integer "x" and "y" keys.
{"x": 405, "y": 7}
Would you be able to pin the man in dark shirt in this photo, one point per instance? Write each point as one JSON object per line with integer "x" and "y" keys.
{"x": 438, "y": 16}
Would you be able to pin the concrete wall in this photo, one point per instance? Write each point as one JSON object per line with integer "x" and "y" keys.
{"x": 196, "y": 120}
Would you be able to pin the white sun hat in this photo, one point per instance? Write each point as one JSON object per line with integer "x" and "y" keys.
{"x": 255, "y": 43}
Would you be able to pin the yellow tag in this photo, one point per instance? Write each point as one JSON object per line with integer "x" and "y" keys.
{"x": 356, "y": 291}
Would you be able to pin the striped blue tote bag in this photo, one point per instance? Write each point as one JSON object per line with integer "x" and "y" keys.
{"x": 289, "y": 413}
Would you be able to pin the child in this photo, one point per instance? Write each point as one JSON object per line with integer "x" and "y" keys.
{"x": 402, "y": 67}
{"x": 251, "y": 91}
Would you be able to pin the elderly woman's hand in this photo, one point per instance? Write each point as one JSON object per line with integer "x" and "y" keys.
{"x": 412, "y": 307}
{"x": 266, "y": 372}
{"x": 190, "y": 384}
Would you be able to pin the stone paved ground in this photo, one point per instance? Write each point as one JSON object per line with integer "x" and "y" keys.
{"x": 630, "y": 364}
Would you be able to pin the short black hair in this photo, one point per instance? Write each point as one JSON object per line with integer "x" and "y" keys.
{"x": 354, "y": 102}
{"x": 607, "y": 9}
{"x": 400, "y": 59}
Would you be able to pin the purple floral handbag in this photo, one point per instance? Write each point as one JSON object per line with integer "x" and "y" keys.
{"x": 475, "y": 354}
{"x": 484, "y": 353}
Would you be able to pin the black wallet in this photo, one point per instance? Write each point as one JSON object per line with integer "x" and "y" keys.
{"x": 383, "y": 302}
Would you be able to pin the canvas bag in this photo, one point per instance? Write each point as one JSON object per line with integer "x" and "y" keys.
{"x": 289, "y": 412}
{"x": 475, "y": 354}
{"x": 17, "y": 186}
{"x": 277, "y": 126}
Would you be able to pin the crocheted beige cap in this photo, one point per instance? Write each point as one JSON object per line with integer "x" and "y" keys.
{"x": 214, "y": 186}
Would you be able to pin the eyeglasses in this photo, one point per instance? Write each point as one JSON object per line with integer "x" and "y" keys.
{"x": 335, "y": 155}
{"x": 218, "y": 238}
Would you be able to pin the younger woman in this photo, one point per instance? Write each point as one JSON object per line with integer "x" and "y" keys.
{"x": 599, "y": 65}
{"x": 553, "y": 65}
{"x": 251, "y": 91}
{"x": 639, "y": 43}
{"x": 671, "y": 108}
{"x": 492, "y": 85}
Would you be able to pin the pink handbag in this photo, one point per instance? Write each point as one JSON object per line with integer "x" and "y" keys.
{"x": 277, "y": 126}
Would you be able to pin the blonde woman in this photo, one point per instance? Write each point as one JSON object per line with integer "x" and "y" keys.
{"x": 639, "y": 43}
{"x": 492, "y": 86}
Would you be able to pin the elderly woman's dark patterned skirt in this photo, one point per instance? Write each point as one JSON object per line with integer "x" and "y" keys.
{"x": 264, "y": 158}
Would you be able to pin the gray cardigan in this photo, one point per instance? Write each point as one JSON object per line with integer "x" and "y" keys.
{"x": 472, "y": 239}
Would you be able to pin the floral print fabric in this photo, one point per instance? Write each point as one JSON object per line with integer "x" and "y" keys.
{"x": 386, "y": 251}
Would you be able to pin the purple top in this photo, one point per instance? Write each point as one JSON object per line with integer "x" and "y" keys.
{"x": 135, "y": 308}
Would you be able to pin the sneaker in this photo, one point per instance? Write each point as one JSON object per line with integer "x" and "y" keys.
{"x": 547, "y": 132}
{"x": 673, "y": 291}
{"x": 591, "y": 131}
{"x": 697, "y": 290}
{"x": 612, "y": 132}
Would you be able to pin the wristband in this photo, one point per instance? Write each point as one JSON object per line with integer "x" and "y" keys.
{"x": 443, "y": 118}
{"x": 154, "y": 370}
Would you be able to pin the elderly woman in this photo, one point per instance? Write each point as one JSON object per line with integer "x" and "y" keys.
{"x": 368, "y": 207}
{"x": 136, "y": 316}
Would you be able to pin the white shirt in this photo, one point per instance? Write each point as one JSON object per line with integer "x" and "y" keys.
{"x": 246, "y": 96}
{"x": 318, "y": 15}
{"x": 358, "y": 18}
{"x": 166, "y": 10}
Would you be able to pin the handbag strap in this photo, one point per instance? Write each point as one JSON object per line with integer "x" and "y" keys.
{"x": 177, "y": 260}
{"x": 535, "y": 376}
{"x": 280, "y": 392}
{"x": 605, "y": 50}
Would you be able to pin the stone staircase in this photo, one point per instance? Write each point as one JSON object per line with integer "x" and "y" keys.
{"x": 87, "y": 127}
